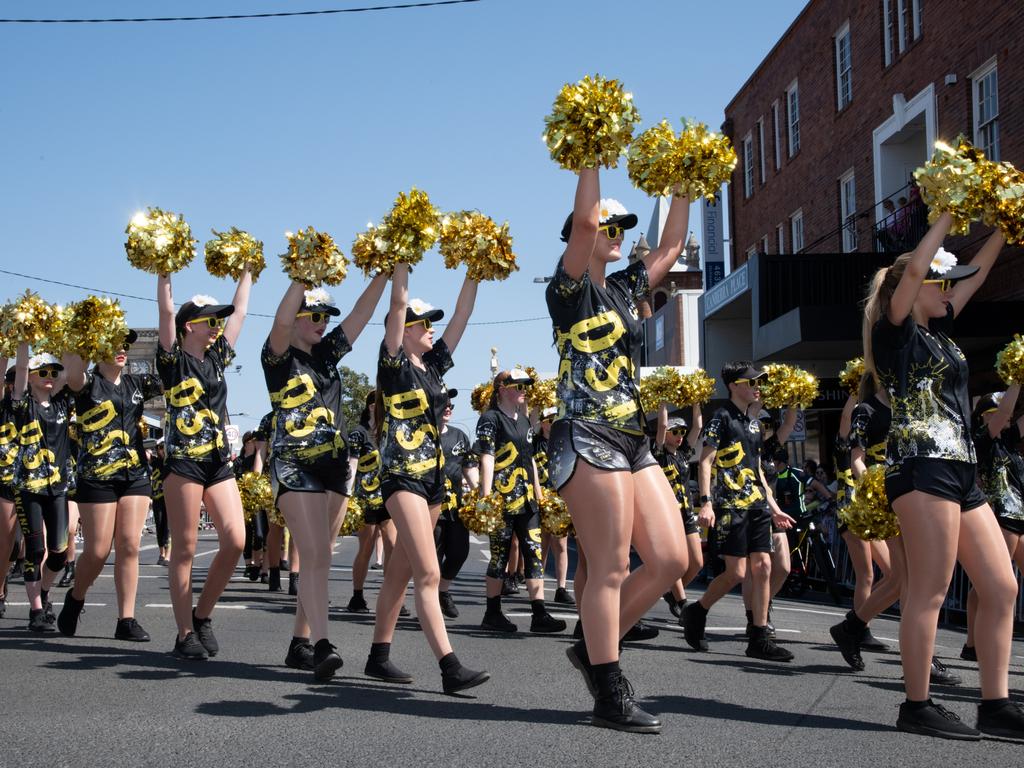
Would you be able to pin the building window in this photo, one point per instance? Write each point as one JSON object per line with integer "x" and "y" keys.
{"x": 901, "y": 22}
{"x": 848, "y": 211}
{"x": 844, "y": 66}
{"x": 796, "y": 231}
{"x": 748, "y": 166}
{"x": 917, "y": 19}
{"x": 780, "y": 238}
{"x": 985, "y": 90}
{"x": 793, "y": 117}
{"x": 764, "y": 244}
{"x": 760, "y": 148}
{"x": 659, "y": 332}
{"x": 775, "y": 132}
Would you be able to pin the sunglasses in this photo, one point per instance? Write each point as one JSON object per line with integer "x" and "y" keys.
{"x": 427, "y": 325}
{"x": 751, "y": 382}
{"x": 314, "y": 317}
{"x": 944, "y": 285}
{"x": 677, "y": 432}
{"x": 47, "y": 373}
{"x": 613, "y": 231}
{"x": 517, "y": 386}
{"x": 213, "y": 322}
{"x": 125, "y": 347}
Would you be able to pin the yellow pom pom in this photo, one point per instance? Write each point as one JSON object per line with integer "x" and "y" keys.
{"x": 693, "y": 164}
{"x": 159, "y": 242}
{"x": 28, "y": 319}
{"x": 591, "y": 124}
{"x": 695, "y": 388}
{"x": 661, "y": 386}
{"x": 411, "y": 228}
{"x": 480, "y": 399}
{"x": 486, "y": 517}
{"x": 869, "y": 515}
{"x": 470, "y": 238}
{"x": 354, "y": 519}
{"x": 313, "y": 258}
{"x": 229, "y": 253}
{"x": 1003, "y": 200}
{"x": 1010, "y": 361}
{"x": 851, "y": 375}
{"x": 56, "y": 339}
{"x": 554, "y": 515}
{"x": 256, "y": 494}
{"x": 370, "y": 253}
{"x": 543, "y": 394}
{"x": 8, "y": 343}
{"x": 95, "y": 328}
{"x": 788, "y": 386}
{"x": 952, "y": 182}
{"x": 653, "y": 165}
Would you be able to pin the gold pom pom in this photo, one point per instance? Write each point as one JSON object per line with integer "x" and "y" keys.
{"x": 411, "y": 228}
{"x": 96, "y": 329}
{"x": 56, "y": 339}
{"x": 788, "y": 386}
{"x": 370, "y": 253}
{"x": 661, "y": 386}
{"x": 869, "y": 515}
{"x": 653, "y": 165}
{"x": 256, "y": 494}
{"x": 8, "y": 343}
{"x": 554, "y": 515}
{"x": 591, "y": 124}
{"x": 480, "y": 399}
{"x": 276, "y": 517}
{"x": 28, "y": 319}
{"x": 695, "y": 388}
{"x": 313, "y": 258}
{"x": 159, "y": 242}
{"x": 952, "y": 182}
{"x": 1004, "y": 200}
{"x": 354, "y": 519}
{"x": 482, "y": 518}
{"x": 851, "y": 375}
{"x": 542, "y": 394}
{"x": 470, "y": 238}
{"x": 693, "y": 164}
{"x": 1010, "y": 361}
{"x": 229, "y": 253}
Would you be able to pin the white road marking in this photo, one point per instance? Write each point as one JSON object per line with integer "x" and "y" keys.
{"x": 220, "y": 606}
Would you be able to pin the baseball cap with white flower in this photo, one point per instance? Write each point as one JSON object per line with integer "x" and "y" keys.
{"x": 417, "y": 310}
{"x": 611, "y": 212}
{"x": 319, "y": 300}
{"x": 944, "y": 267}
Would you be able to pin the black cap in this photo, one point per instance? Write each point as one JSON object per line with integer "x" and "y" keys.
{"x": 676, "y": 422}
{"x": 320, "y": 303}
{"x": 190, "y": 311}
{"x": 953, "y": 274}
{"x": 9, "y": 376}
{"x": 420, "y": 310}
{"x": 989, "y": 402}
{"x": 132, "y": 336}
{"x": 453, "y": 393}
{"x": 624, "y": 220}
{"x": 747, "y": 373}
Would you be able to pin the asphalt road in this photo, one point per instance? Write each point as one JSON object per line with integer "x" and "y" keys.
{"x": 91, "y": 700}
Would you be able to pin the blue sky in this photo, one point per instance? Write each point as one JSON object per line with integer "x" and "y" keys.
{"x": 277, "y": 124}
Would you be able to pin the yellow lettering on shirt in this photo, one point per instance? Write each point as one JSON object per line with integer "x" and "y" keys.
{"x": 407, "y": 405}
{"x": 98, "y": 417}
{"x": 195, "y": 424}
{"x": 186, "y": 392}
{"x": 297, "y": 391}
{"x": 608, "y": 379}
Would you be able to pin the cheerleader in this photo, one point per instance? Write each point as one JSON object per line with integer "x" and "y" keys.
{"x": 156, "y": 477}
{"x": 196, "y": 344}
{"x": 450, "y": 535}
{"x": 556, "y": 546}
{"x": 275, "y": 540}
{"x": 8, "y": 463}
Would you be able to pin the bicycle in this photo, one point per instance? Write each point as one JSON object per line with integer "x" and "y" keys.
{"x": 810, "y": 548}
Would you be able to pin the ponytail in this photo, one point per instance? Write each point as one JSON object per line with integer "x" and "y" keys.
{"x": 378, "y": 411}
{"x": 876, "y": 304}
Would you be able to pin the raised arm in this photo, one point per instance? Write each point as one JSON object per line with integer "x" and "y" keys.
{"x": 241, "y": 303}
{"x": 965, "y": 289}
{"x": 905, "y": 295}
{"x": 670, "y": 244}
{"x": 696, "y": 425}
{"x": 284, "y": 318}
{"x": 165, "y": 307}
{"x": 20, "y": 371}
{"x": 788, "y": 424}
{"x": 460, "y": 317}
{"x": 395, "y": 328}
{"x": 354, "y": 323}
{"x": 74, "y": 371}
{"x": 662, "y": 428}
{"x": 846, "y": 417}
{"x": 586, "y": 217}
{"x": 1001, "y": 418}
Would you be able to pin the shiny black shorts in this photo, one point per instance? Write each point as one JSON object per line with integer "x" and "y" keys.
{"x": 600, "y": 446}
{"x": 109, "y": 491}
{"x": 953, "y": 480}
{"x": 375, "y": 514}
{"x": 7, "y": 492}
{"x": 319, "y": 477}
{"x": 740, "y": 532}
{"x": 1010, "y": 524}
{"x": 432, "y": 489}
{"x": 206, "y": 473}
{"x": 690, "y": 524}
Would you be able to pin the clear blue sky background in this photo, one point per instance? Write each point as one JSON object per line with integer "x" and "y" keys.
{"x": 276, "y": 124}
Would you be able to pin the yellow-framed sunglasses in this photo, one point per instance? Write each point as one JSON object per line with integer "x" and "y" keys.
{"x": 315, "y": 317}
{"x": 613, "y": 231}
{"x": 46, "y": 373}
{"x": 944, "y": 285}
{"x": 427, "y": 325}
{"x": 213, "y": 322}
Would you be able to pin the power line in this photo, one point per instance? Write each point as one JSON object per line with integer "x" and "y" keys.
{"x": 231, "y": 16}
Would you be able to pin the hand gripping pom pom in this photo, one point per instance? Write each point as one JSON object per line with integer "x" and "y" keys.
{"x": 95, "y": 328}
{"x": 1010, "y": 361}
{"x": 851, "y": 375}
{"x": 256, "y": 494}
{"x": 662, "y": 386}
{"x": 695, "y": 388}
{"x": 952, "y": 181}
{"x": 869, "y": 515}
{"x": 411, "y": 228}
{"x": 354, "y": 519}
{"x": 313, "y": 258}
{"x": 693, "y": 164}
{"x": 542, "y": 395}
{"x": 159, "y": 242}
{"x": 28, "y": 319}
{"x": 229, "y": 253}
{"x": 470, "y": 238}
{"x": 554, "y": 515}
{"x": 480, "y": 398}
{"x": 591, "y": 124}
{"x": 788, "y": 386}
{"x": 485, "y": 515}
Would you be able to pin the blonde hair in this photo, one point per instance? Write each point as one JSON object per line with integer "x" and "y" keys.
{"x": 876, "y": 304}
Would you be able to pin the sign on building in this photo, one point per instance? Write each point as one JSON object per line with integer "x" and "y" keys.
{"x": 713, "y": 229}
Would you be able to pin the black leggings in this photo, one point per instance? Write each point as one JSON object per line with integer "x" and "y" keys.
{"x": 255, "y": 534}
{"x": 452, "y": 541}
{"x": 526, "y": 527}
{"x": 44, "y": 524}
{"x": 160, "y": 521}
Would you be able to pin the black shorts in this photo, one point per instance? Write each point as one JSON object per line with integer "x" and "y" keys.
{"x": 600, "y": 446}
{"x": 206, "y": 473}
{"x": 690, "y": 524}
{"x": 109, "y": 491}
{"x": 1010, "y": 524}
{"x": 432, "y": 489}
{"x": 318, "y": 477}
{"x": 953, "y": 480}
{"x": 375, "y": 514}
{"x": 7, "y": 492}
{"x": 740, "y": 532}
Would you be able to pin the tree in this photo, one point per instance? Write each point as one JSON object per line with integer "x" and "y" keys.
{"x": 354, "y": 388}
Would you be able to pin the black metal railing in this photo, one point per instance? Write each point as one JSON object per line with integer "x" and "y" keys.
{"x": 899, "y": 231}
{"x": 902, "y": 229}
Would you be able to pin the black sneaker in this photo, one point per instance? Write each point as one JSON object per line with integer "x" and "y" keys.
{"x": 640, "y": 631}
{"x": 498, "y": 622}
{"x": 67, "y": 622}
{"x": 448, "y": 607}
{"x": 693, "y": 621}
{"x": 274, "y": 580}
{"x": 377, "y": 567}
{"x": 38, "y": 622}
{"x": 50, "y": 615}
{"x": 3, "y": 607}
{"x": 293, "y": 584}
{"x": 509, "y": 586}
{"x": 130, "y": 630}
{"x": 934, "y": 720}
{"x": 68, "y": 576}
{"x": 618, "y": 711}
{"x": 675, "y": 607}
{"x": 190, "y": 648}
{"x": 404, "y": 612}
{"x": 162, "y": 561}
{"x": 462, "y": 678}
{"x": 545, "y": 623}
{"x": 1006, "y": 722}
{"x": 357, "y": 605}
{"x": 254, "y": 573}
{"x": 578, "y": 658}
{"x": 300, "y": 656}
{"x": 264, "y": 577}
{"x": 849, "y": 645}
{"x": 577, "y": 631}
{"x": 562, "y": 597}
{"x": 204, "y": 631}
{"x": 285, "y": 566}
{"x": 386, "y": 671}
{"x": 968, "y": 653}
{"x": 940, "y": 674}
{"x": 869, "y": 642}
{"x": 326, "y": 660}
{"x": 766, "y": 649}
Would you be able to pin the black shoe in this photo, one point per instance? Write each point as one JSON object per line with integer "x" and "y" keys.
{"x": 39, "y": 622}
{"x": 403, "y": 612}
{"x": 264, "y": 577}
{"x": 357, "y": 605}
{"x": 849, "y": 645}
{"x": 675, "y": 607}
{"x": 498, "y": 622}
{"x": 130, "y": 630}
{"x": 448, "y": 607}
{"x": 17, "y": 571}
{"x": 3, "y": 607}
{"x": 285, "y": 566}
{"x": 968, "y": 653}
{"x": 509, "y": 586}
{"x": 162, "y": 561}
{"x": 766, "y": 649}
{"x": 274, "y": 580}
{"x": 300, "y": 655}
{"x": 934, "y": 720}
{"x": 578, "y": 658}
{"x": 869, "y": 642}
{"x": 386, "y": 671}
{"x": 190, "y": 648}
{"x": 50, "y": 615}
{"x": 293, "y": 584}
{"x": 577, "y": 631}
{"x": 67, "y": 622}
{"x": 544, "y": 623}
{"x": 377, "y": 567}
{"x": 940, "y": 675}
{"x": 68, "y": 576}
{"x": 640, "y": 631}
{"x": 204, "y": 631}
{"x": 562, "y": 597}
{"x": 326, "y": 660}
{"x": 618, "y": 711}
{"x": 693, "y": 621}
{"x": 254, "y": 573}
{"x": 462, "y": 678}
{"x": 1006, "y": 722}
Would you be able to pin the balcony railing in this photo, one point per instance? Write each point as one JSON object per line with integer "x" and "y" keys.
{"x": 903, "y": 229}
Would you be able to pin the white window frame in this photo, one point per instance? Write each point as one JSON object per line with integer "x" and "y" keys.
{"x": 780, "y": 238}
{"x": 887, "y": 30}
{"x": 917, "y": 28}
{"x": 844, "y": 93}
{"x": 760, "y": 149}
{"x": 751, "y": 252}
{"x": 748, "y": 165}
{"x": 978, "y": 77}
{"x": 793, "y": 117}
{"x": 848, "y": 210}
{"x": 659, "y": 332}
{"x": 901, "y": 24}
{"x": 796, "y": 230}
{"x": 775, "y": 130}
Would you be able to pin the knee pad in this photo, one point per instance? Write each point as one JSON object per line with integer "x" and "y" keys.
{"x": 55, "y": 560}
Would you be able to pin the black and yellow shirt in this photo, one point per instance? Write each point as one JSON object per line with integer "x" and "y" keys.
{"x": 737, "y": 443}
{"x": 869, "y": 429}
{"x": 305, "y": 391}
{"x": 156, "y": 477}
{"x": 510, "y": 441}
{"x": 1001, "y": 472}
{"x": 108, "y": 422}
{"x": 540, "y": 458}
{"x": 197, "y": 401}
{"x": 458, "y": 457}
{"x": 598, "y": 333}
{"x": 44, "y": 453}
{"x": 414, "y": 400}
{"x": 926, "y": 375}
{"x": 676, "y": 466}
{"x": 362, "y": 446}
{"x": 790, "y": 487}
{"x": 8, "y": 442}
